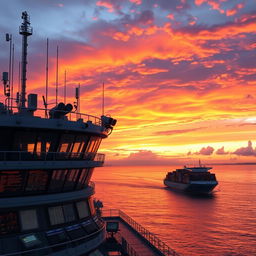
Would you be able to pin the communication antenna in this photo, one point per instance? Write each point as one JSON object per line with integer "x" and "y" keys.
{"x": 65, "y": 86}
{"x": 57, "y": 74}
{"x": 12, "y": 96}
{"x": 46, "y": 74}
{"x": 19, "y": 80}
{"x": 103, "y": 97}
{"x": 25, "y": 31}
{"x": 78, "y": 98}
{"x": 5, "y": 79}
{"x": 8, "y": 38}
{"x": 45, "y": 106}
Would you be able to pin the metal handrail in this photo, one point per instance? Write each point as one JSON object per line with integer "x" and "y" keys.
{"x": 55, "y": 245}
{"x": 49, "y": 156}
{"x": 150, "y": 237}
{"x": 128, "y": 248}
{"x": 72, "y": 116}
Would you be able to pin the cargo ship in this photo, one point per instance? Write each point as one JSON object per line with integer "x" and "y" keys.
{"x": 47, "y": 158}
{"x": 192, "y": 180}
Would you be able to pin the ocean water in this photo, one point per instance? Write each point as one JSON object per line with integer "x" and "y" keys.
{"x": 224, "y": 224}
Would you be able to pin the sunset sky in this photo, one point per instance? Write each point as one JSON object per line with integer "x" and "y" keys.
{"x": 179, "y": 75}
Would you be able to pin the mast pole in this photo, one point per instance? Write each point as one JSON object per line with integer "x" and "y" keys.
{"x": 12, "y": 97}
{"x": 46, "y": 75}
{"x": 103, "y": 97}
{"x": 25, "y": 31}
{"x": 10, "y": 68}
{"x": 57, "y": 74}
{"x": 65, "y": 86}
{"x": 79, "y": 98}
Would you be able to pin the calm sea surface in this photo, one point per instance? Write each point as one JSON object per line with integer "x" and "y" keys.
{"x": 224, "y": 224}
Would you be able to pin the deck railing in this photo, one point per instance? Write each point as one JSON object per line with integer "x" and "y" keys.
{"x": 49, "y": 156}
{"x": 127, "y": 247}
{"x": 148, "y": 236}
{"x": 72, "y": 116}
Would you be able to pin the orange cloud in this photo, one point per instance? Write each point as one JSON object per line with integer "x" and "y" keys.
{"x": 235, "y": 10}
{"x": 105, "y": 4}
{"x": 173, "y": 89}
{"x": 138, "y": 2}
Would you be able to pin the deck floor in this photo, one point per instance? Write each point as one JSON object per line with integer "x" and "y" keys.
{"x": 134, "y": 240}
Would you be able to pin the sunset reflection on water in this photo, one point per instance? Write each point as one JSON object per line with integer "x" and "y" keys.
{"x": 221, "y": 224}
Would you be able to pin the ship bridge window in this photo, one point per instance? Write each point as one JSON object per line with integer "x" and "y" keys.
{"x": 61, "y": 214}
{"x": 91, "y": 144}
{"x": 66, "y": 143}
{"x": 69, "y": 212}
{"x": 79, "y": 143}
{"x": 46, "y": 141}
{"x": 96, "y": 145}
{"x": 8, "y": 223}
{"x": 12, "y": 181}
{"x": 92, "y": 147}
{"x": 37, "y": 180}
{"x": 71, "y": 179}
{"x": 56, "y": 215}
{"x": 82, "y": 178}
{"x": 57, "y": 180}
{"x": 88, "y": 176}
{"x": 82, "y": 209}
{"x": 24, "y": 141}
{"x": 28, "y": 219}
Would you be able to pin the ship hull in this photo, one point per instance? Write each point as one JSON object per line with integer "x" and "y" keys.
{"x": 192, "y": 187}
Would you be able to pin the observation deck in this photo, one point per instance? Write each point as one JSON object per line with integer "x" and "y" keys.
{"x": 135, "y": 240}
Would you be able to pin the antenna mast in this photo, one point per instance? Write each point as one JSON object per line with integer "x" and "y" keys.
{"x": 9, "y": 39}
{"x": 12, "y": 96}
{"x": 57, "y": 74}
{"x": 25, "y": 31}
{"x": 65, "y": 86}
{"x": 103, "y": 97}
{"x": 46, "y": 75}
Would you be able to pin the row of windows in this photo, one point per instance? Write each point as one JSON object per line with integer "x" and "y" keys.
{"x": 50, "y": 141}
{"x": 26, "y": 220}
{"x": 43, "y": 181}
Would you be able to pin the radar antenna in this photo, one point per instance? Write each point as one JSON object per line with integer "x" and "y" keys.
{"x": 25, "y": 31}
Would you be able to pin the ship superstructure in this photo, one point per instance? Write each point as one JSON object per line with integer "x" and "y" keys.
{"x": 46, "y": 164}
